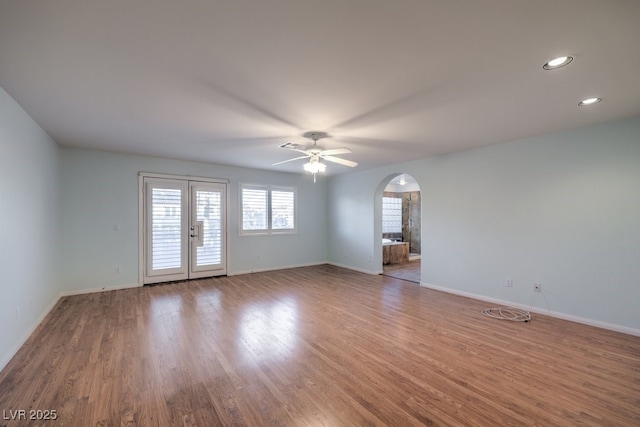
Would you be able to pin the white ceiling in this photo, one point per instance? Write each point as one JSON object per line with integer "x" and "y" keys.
{"x": 228, "y": 81}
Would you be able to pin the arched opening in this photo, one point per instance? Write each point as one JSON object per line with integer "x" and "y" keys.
{"x": 399, "y": 201}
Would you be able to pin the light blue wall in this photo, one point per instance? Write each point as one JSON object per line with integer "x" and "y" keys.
{"x": 29, "y": 225}
{"x": 100, "y": 192}
{"x": 562, "y": 210}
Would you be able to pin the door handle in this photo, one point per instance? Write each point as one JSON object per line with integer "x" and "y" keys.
{"x": 196, "y": 232}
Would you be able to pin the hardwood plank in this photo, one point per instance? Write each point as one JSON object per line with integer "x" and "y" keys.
{"x": 315, "y": 346}
{"x": 409, "y": 270}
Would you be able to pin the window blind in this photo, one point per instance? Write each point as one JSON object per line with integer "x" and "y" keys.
{"x": 254, "y": 209}
{"x": 282, "y": 210}
{"x": 267, "y": 209}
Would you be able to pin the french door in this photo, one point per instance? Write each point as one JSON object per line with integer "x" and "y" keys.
{"x": 184, "y": 229}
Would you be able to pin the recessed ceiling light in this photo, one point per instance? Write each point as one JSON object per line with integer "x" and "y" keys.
{"x": 589, "y": 101}
{"x": 558, "y": 62}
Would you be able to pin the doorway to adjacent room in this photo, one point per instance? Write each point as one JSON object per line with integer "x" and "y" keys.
{"x": 401, "y": 228}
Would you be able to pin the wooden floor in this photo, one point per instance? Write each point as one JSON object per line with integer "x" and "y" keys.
{"x": 315, "y": 346}
{"x": 407, "y": 270}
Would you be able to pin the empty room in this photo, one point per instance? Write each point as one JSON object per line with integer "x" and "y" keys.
{"x": 319, "y": 213}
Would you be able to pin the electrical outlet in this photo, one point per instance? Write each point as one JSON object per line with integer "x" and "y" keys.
{"x": 509, "y": 282}
{"x": 537, "y": 287}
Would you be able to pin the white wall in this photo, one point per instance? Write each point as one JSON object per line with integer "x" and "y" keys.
{"x": 100, "y": 191}
{"x": 562, "y": 210}
{"x": 29, "y": 220}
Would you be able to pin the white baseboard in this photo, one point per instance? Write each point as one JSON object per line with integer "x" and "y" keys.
{"x": 13, "y": 351}
{"x": 11, "y": 354}
{"x": 262, "y": 270}
{"x": 564, "y": 316}
{"x": 559, "y": 315}
{"x": 101, "y": 289}
{"x": 360, "y": 270}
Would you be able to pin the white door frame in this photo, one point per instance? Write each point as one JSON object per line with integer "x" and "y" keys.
{"x": 141, "y": 215}
{"x": 199, "y": 228}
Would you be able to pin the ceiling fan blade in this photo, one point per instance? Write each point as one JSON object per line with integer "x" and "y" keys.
{"x": 336, "y": 151}
{"x": 294, "y": 147}
{"x": 340, "y": 161}
{"x": 290, "y": 160}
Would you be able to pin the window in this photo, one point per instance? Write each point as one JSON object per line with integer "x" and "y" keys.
{"x": 254, "y": 209}
{"x": 282, "y": 210}
{"x": 391, "y": 215}
{"x": 266, "y": 209}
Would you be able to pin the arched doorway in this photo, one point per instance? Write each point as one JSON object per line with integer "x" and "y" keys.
{"x": 401, "y": 228}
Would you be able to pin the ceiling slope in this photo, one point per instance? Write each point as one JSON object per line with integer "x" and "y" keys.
{"x": 228, "y": 81}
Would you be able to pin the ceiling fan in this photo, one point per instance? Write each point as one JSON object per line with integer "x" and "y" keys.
{"x": 315, "y": 153}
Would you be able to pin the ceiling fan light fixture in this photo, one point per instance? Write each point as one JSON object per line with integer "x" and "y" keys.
{"x": 314, "y": 167}
{"x": 558, "y": 62}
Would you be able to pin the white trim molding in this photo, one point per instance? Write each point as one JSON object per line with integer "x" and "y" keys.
{"x": 183, "y": 177}
{"x": 360, "y": 270}
{"x": 25, "y": 337}
{"x": 558, "y": 315}
{"x": 101, "y": 289}
{"x": 261, "y": 270}
{"x": 50, "y": 307}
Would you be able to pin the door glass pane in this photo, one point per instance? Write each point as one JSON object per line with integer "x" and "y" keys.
{"x": 166, "y": 235}
{"x": 209, "y": 212}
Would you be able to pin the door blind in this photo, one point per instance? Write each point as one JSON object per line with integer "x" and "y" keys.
{"x": 166, "y": 220}
{"x": 209, "y": 212}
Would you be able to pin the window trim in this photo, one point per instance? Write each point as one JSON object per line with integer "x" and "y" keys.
{"x": 269, "y": 230}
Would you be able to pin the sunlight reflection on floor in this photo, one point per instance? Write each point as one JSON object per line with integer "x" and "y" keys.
{"x": 268, "y": 331}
